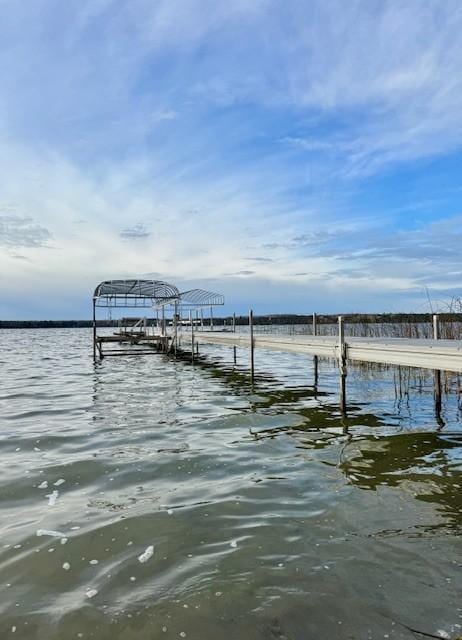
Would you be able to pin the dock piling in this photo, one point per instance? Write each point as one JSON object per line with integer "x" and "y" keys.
{"x": 342, "y": 363}
{"x": 175, "y": 328}
{"x": 437, "y": 374}
{"x": 315, "y": 358}
{"x": 192, "y": 334}
{"x": 94, "y": 330}
{"x": 252, "y": 347}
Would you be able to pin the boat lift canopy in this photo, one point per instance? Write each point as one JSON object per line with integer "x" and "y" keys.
{"x": 151, "y": 293}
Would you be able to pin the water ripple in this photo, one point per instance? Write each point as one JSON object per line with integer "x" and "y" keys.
{"x": 271, "y": 515}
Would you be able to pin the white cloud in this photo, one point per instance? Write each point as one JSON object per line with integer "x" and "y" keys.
{"x": 193, "y": 136}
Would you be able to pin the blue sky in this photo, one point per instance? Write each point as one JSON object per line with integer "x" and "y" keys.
{"x": 295, "y": 156}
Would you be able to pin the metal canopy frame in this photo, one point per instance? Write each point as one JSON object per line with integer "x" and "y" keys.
{"x": 151, "y": 293}
{"x": 155, "y": 294}
{"x": 134, "y": 293}
{"x": 195, "y": 298}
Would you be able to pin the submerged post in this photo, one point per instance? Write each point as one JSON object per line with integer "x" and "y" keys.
{"x": 211, "y": 318}
{"x": 252, "y": 346}
{"x": 437, "y": 374}
{"x": 202, "y": 320}
{"x": 234, "y": 323}
{"x": 315, "y": 358}
{"x": 94, "y": 329}
{"x": 342, "y": 363}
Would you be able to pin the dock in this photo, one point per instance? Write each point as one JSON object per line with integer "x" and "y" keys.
{"x": 422, "y": 353}
{"x": 169, "y": 336}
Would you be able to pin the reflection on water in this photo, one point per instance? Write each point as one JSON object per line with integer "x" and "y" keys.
{"x": 271, "y": 515}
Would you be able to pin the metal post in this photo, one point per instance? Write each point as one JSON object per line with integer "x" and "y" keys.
{"x": 202, "y": 319}
{"x": 94, "y": 330}
{"x": 234, "y": 323}
{"x": 192, "y": 334}
{"x": 197, "y": 324}
{"x": 252, "y": 346}
{"x": 437, "y": 373}
{"x": 211, "y": 318}
{"x": 235, "y": 354}
{"x": 315, "y": 358}
{"x": 163, "y": 320}
{"x": 175, "y": 327}
{"x": 436, "y": 327}
{"x": 342, "y": 363}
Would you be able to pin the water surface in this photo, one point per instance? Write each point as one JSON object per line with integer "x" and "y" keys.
{"x": 271, "y": 516}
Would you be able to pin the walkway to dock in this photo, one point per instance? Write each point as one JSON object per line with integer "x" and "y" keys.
{"x": 426, "y": 354}
{"x": 436, "y": 354}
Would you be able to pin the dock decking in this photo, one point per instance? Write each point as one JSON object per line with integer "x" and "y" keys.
{"x": 423, "y": 353}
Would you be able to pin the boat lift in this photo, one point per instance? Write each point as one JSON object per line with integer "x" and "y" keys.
{"x": 148, "y": 294}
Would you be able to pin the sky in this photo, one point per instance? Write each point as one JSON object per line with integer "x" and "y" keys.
{"x": 295, "y": 156}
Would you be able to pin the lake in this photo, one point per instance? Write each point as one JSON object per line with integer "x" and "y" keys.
{"x": 146, "y": 498}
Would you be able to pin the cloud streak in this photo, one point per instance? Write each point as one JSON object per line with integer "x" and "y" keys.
{"x": 18, "y": 231}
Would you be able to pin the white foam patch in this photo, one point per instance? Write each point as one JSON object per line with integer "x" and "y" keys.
{"x": 59, "y": 482}
{"x": 144, "y": 557}
{"x": 66, "y": 566}
{"x": 52, "y": 497}
{"x": 43, "y": 485}
{"x": 50, "y": 532}
{"x": 91, "y": 593}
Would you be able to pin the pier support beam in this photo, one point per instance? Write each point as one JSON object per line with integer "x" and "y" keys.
{"x": 437, "y": 375}
{"x": 342, "y": 363}
{"x": 94, "y": 330}
{"x": 252, "y": 347}
{"x": 315, "y": 358}
{"x": 175, "y": 328}
{"x": 234, "y": 323}
{"x": 192, "y": 334}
